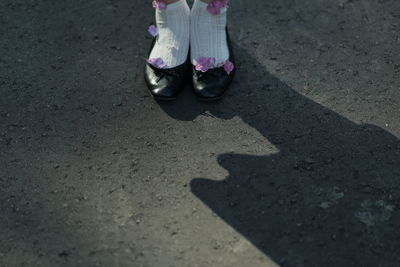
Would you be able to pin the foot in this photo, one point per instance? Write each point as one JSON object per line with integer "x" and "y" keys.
{"x": 172, "y": 32}
{"x": 211, "y": 54}
{"x": 167, "y": 64}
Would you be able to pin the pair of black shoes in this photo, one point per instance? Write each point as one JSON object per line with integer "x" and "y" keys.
{"x": 165, "y": 84}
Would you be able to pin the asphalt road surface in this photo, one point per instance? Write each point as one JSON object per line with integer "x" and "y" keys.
{"x": 299, "y": 165}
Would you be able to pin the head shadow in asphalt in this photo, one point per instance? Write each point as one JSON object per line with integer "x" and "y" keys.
{"x": 328, "y": 198}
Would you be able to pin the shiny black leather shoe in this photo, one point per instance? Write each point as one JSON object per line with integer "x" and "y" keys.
{"x": 212, "y": 84}
{"x": 165, "y": 84}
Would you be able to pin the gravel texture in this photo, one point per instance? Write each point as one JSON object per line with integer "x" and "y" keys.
{"x": 299, "y": 165}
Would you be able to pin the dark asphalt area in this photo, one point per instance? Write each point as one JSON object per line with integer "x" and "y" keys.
{"x": 299, "y": 164}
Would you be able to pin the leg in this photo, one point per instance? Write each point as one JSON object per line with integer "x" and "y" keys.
{"x": 173, "y": 20}
{"x": 211, "y": 57}
{"x": 208, "y": 31}
{"x": 167, "y": 64}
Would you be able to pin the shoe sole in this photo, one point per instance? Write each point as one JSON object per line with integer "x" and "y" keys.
{"x": 164, "y": 99}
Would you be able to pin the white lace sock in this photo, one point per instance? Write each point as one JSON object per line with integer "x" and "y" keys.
{"x": 173, "y": 25}
{"x": 208, "y": 34}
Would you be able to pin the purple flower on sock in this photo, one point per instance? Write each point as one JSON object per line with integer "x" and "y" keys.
{"x": 157, "y": 62}
{"x": 153, "y": 30}
{"x": 228, "y": 66}
{"x": 160, "y": 4}
{"x": 205, "y": 63}
{"x": 215, "y": 6}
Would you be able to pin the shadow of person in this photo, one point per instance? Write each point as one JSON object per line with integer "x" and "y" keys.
{"x": 329, "y": 197}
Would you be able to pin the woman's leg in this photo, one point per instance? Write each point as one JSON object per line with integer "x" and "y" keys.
{"x": 167, "y": 65}
{"x": 208, "y": 31}
{"x": 211, "y": 55}
{"x": 172, "y": 21}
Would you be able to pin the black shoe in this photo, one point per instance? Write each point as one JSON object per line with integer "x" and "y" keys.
{"x": 165, "y": 84}
{"x": 212, "y": 84}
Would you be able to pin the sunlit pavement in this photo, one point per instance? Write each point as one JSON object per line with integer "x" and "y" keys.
{"x": 299, "y": 164}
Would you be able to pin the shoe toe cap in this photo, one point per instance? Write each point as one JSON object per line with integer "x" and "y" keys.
{"x": 164, "y": 87}
{"x": 209, "y": 91}
{"x": 164, "y": 92}
{"x": 211, "y": 88}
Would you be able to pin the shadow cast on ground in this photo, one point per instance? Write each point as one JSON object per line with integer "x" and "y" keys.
{"x": 328, "y": 198}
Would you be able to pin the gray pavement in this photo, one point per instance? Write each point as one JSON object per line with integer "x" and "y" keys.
{"x": 299, "y": 165}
